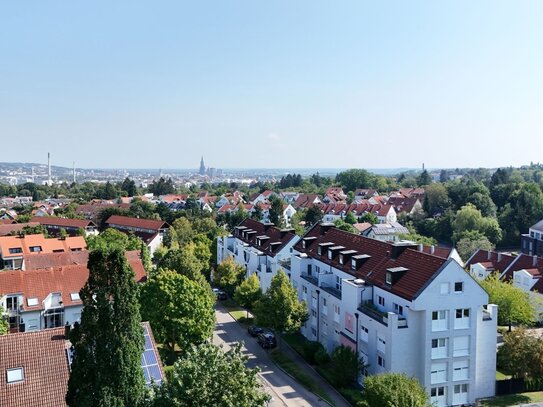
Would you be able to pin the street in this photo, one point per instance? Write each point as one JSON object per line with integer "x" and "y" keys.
{"x": 283, "y": 389}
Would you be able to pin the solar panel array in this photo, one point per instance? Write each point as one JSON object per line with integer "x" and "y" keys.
{"x": 149, "y": 362}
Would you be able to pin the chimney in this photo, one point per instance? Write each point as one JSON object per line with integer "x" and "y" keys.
{"x": 420, "y": 247}
{"x": 268, "y": 225}
{"x": 489, "y": 254}
{"x": 534, "y": 260}
{"x": 67, "y": 329}
{"x": 325, "y": 227}
{"x": 432, "y": 249}
{"x": 499, "y": 257}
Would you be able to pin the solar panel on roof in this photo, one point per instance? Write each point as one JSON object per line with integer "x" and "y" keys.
{"x": 149, "y": 362}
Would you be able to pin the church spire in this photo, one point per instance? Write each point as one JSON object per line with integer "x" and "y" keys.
{"x": 202, "y": 166}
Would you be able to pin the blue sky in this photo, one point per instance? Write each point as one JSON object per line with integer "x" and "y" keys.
{"x": 140, "y": 84}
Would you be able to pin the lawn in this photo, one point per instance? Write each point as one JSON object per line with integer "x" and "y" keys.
{"x": 502, "y": 376}
{"x": 294, "y": 370}
{"x": 513, "y": 399}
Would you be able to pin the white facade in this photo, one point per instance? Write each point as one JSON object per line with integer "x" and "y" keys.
{"x": 445, "y": 336}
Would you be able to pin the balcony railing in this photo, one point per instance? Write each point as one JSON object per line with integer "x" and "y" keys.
{"x": 331, "y": 290}
{"x": 371, "y": 311}
{"x": 312, "y": 279}
{"x": 487, "y": 316}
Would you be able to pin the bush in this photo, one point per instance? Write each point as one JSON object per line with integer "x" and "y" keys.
{"x": 345, "y": 366}
{"x": 322, "y": 357}
{"x": 310, "y": 349}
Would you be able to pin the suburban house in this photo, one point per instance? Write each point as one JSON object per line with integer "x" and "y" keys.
{"x": 46, "y": 295}
{"x": 386, "y": 232}
{"x": 385, "y": 213}
{"x": 261, "y": 248}
{"x": 13, "y": 249}
{"x": 305, "y": 201}
{"x": 482, "y": 263}
{"x": 361, "y": 194}
{"x": 8, "y": 229}
{"x": 35, "y": 366}
{"x": 92, "y": 210}
{"x": 263, "y": 197}
{"x": 400, "y": 309}
{"x": 334, "y": 195}
{"x": 71, "y": 226}
{"x": 149, "y": 230}
{"x": 532, "y": 242}
{"x": 409, "y": 206}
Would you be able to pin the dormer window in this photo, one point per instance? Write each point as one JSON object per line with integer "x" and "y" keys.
{"x": 393, "y": 274}
{"x": 341, "y": 258}
{"x": 358, "y": 260}
{"x": 35, "y": 248}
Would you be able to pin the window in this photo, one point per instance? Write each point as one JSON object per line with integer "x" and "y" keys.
{"x": 460, "y": 394}
{"x": 74, "y": 296}
{"x": 461, "y": 370}
{"x": 353, "y": 264}
{"x": 437, "y": 392}
{"x": 338, "y": 283}
{"x": 381, "y": 301}
{"x": 336, "y": 313}
{"x": 324, "y": 307}
{"x": 12, "y": 303}
{"x": 461, "y": 346}
{"x": 444, "y": 288}
{"x": 398, "y": 309}
{"x": 364, "y": 335}
{"x": 460, "y": 388}
{"x": 439, "y": 320}
{"x": 439, "y": 348}
{"x": 314, "y": 331}
{"x": 388, "y": 278}
{"x": 381, "y": 344}
{"x": 32, "y": 302}
{"x": 309, "y": 269}
{"x": 462, "y": 318}
{"x": 15, "y": 250}
{"x": 458, "y": 287}
{"x": 14, "y": 375}
{"x": 438, "y": 373}
{"x": 341, "y": 259}
{"x": 381, "y": 361}
{"x": 314, "y": 313}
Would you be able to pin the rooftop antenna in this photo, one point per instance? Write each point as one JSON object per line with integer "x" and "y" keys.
{"x": 49, "y": 183}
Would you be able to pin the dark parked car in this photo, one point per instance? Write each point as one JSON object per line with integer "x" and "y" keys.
{"x": 267, "y": 340}
{"x": 221, "y": 295}
{"x": 255, "y": 330}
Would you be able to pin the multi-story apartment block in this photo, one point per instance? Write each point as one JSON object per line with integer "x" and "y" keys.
{"x": 400, "y": 309}
{"x": 261, "y": 248}
{"x": 532, "y": 242}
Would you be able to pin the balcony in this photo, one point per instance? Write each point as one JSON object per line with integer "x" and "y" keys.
{"x": 312, "y": 279}
{"x": 487, "y": 316}
{"x": 331, "y": 290}
{"x": 285, "y": 264}
{"x": 371, "y": 311}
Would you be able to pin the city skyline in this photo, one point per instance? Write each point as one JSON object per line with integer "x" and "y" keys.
{"x": 135, "y": 85}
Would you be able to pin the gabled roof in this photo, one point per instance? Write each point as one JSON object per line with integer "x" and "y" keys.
{"x": 42, "y": 355}
{"x": 401, "y": 204}
{"x": 126, "y": 221}
{"x": 538, "y": 226}
{"x": 7, "y": 229}
{"x": 63, "y": 222}
{"x": 500, "y": 261}
{"x": 7, "y": 221}
{"x": 380, "y": 256}
{"x": 47, "y": 245}
{"x": 306, "y": 201}
{"x": 274, "y": 241}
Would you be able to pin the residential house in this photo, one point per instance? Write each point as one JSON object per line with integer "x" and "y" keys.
{"x": 386, "y": 232}
{"x": 35, "y": 366}
{"x": 334, "y": 195}
{"x": 92, "y": 210}
{"x": 149, "y": 230}
{"x": 7, "y": 229}
{"x": 261, "y": 248}
{"x": 305, "y": 201}
{"x": 364, "y": 193}
{"x": 385, "y": 213}
{"x": 409, "y": 206}
{"x": 13, "y": 249}
{"x": 46, "y": 293}
{"x": 482, "y": 263}
{"x": 400, "y": 310}
{"x": 263, "y": 198}
{"x": 289, "y": 196}
{"x": 532, "y": 242}
{"x": 72, "y": 226}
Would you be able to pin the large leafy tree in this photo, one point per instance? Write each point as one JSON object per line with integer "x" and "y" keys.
{"x": 228, "y": 274}
{"x": 393, "y": 389}
{"x": 184, "y": 261}
{"x": 207, "y": 376}
{"x": 470, "y": 242}
{"x": 248, "y": 292}
{"x": 515, "y": 307}
{"x": 108, "y": 343}
{"x": 345, "y": 365}
{"x": 279, "y": 308}
{"x": 355, "y": 178}
{"x": 179, "y": 309}
{"x": 276, "y": 211}
{"x": 469, "y": 218}
{"x": 113, "y": 238}
{"x": 521, "y": 354}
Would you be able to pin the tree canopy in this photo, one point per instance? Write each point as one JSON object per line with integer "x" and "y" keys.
{"x": 228, "y": 275}
{"x": 393, "y": 389}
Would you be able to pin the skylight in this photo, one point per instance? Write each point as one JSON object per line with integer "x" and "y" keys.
{"x": 14, "y": 375}
{"x": 75, "y": 296}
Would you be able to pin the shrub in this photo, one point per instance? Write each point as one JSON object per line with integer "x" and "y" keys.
{"x": 345, "y": 366}
{"x": 310, "y": 348}
{"x": 322, "y": 357}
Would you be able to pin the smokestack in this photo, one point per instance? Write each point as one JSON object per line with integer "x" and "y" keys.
{"x": 49, "y": 169}
{"x": 74, "y": 172}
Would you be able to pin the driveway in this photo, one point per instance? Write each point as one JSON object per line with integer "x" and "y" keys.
{"x": 284, "y": 390}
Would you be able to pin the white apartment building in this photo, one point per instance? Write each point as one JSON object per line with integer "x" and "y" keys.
{"x": 400, "y": 309}
{"x": 261, "y": 248}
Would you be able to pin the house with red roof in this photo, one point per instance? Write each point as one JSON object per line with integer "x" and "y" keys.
{"x": 400, "y": 309}
{"x": 385, "y": 213}
{"x": 151, "y": 231}
{"x": 72, "y": 227}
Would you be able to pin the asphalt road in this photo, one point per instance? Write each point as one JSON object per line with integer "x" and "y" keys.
{"x": 284, "y": 390}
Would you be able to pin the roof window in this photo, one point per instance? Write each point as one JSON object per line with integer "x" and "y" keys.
{"x": 15, "y": 375}
{"x": 75, "y": 297}
{"x": 32, "y": 302}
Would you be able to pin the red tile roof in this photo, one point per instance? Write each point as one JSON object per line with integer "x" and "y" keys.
{"x": 128, "y": 222}
{"x": 42, "y": 355}
{"x": 421, "y": 266}
{"x": 500, "y": 262}
{"x": 7, "y": 221}
{"x": 62, "y": 222}
{"x": 7, "y": 229}
{"x": 48, "y": 245}
{"x": 275, "y": 239}
{"x": 306, "y": 201}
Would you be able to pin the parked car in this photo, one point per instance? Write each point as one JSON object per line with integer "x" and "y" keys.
{"x": 220, "y": 294}
{"x": 255, "y": 330}
{"x": 267, "y": 340}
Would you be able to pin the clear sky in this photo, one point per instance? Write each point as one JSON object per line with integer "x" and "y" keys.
{"x": 371, "y": 84}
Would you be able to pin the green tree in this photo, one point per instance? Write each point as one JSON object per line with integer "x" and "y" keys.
{"x": 276, "y": 211}
{"x": 248, "y": 292}
{"x": 417, "y": 238}
{"x": 279, "y": 308}
{"x": 521, "y": 354}
{"x": 347, "y": 227}
{"x": 179, "y": 309}
{"x": 113, "y": 238}
{"x": 345, "y": 365}
{"x": 354, "y": 178}
{"x": 4, "y": 325}
{"x": 513, "y": 303}
{"x": 469, "y": 218}
{"x": 162, "y": 187}
{"x": 207, "y": 376}
{"x": 313, "y": 215}
{"x": 350, "y": 218}
{"x": 108, "y": 343}
{"x": 129, "y": 186}
{"x": 393, "y": 389}
{"x": 184, "y": 231}
{"x": 424, "y": 179}
{"x": 369, "y": 218}
{"x": 228, "y": 275}
{"x": 470, "y": 242}
{"x": 184, "y": 261}
{"x": 436, "y": 199}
